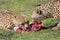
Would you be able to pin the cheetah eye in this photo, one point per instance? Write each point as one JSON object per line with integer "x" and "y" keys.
{"x": 39, "y": 12}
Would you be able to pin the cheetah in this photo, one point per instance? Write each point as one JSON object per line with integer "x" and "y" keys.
{"x": 52, "y": 9}
{"x": 9, "y": 19}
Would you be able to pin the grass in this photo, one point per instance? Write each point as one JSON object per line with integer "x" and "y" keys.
{"x": 41, "y": 35}
{"x": 26, "y": 7}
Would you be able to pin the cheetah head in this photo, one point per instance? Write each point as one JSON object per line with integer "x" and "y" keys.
{"x": 19, "y": 19}
{"x": 16, "y": 19}
{"x": 41, "y": 12}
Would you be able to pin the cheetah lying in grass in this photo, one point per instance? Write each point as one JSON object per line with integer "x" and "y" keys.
{"x": 52, "y": 9}
{"x": 9, "y": 20}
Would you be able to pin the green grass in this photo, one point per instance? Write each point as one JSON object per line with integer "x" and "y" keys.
{"x": 40, "y": 35}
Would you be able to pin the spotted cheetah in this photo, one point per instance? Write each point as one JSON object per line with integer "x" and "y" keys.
{"x": 52, "y": 9}
{"x": 8, "y": 19}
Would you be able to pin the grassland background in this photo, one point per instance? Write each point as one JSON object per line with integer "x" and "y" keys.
{"x": 26, "y": 7}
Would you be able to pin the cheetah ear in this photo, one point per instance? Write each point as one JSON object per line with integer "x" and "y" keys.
{"x": 38, "y": 5}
